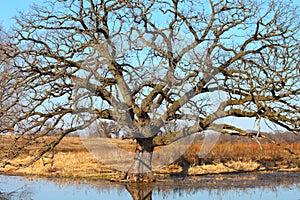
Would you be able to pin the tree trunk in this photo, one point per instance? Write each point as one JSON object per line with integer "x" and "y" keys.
{"x": 141, "y": 169}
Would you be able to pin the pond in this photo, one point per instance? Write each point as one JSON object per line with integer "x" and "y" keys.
{"x": 231, "y": 186}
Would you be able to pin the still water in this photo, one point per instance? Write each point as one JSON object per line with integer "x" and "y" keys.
{"x": 274, "y": 186}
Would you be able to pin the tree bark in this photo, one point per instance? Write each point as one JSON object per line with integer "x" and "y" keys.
{"x": 141, "y": 169}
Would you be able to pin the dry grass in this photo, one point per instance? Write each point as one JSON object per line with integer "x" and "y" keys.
{"x": 232, "y": 166}
{"x": 246, "y": 151}
{"x": 246, "y": 155}
{"x": 72, "y": 159}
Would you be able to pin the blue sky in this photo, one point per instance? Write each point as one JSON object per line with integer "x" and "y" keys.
{"x": 9, "y": 8}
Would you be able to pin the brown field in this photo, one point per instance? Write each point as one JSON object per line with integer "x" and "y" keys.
{"x": 234, "y": 154}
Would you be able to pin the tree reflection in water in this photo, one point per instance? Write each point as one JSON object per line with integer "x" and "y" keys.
{"x": 20, "y": 194}
{"x": 140, "y": 191}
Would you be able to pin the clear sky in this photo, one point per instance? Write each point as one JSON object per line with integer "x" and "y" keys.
{"x": 10, "y": 8}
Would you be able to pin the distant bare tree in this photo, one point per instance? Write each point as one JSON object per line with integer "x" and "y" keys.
{"x": 153, "y": 67}
{"x": 105, "y": 129}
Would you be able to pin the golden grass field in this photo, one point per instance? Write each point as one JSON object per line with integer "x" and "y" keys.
{"x": 72, "y": 159}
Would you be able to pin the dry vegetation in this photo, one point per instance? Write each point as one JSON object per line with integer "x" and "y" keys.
{"x": 230, "y": 154}
{"x": 285, "y": 151}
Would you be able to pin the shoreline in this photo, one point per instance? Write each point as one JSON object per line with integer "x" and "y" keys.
{"x": 222, "y": 180}
{"x": 160, "y": 176}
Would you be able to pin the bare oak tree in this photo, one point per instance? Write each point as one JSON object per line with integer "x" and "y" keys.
{"x": 153, "y": 67}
